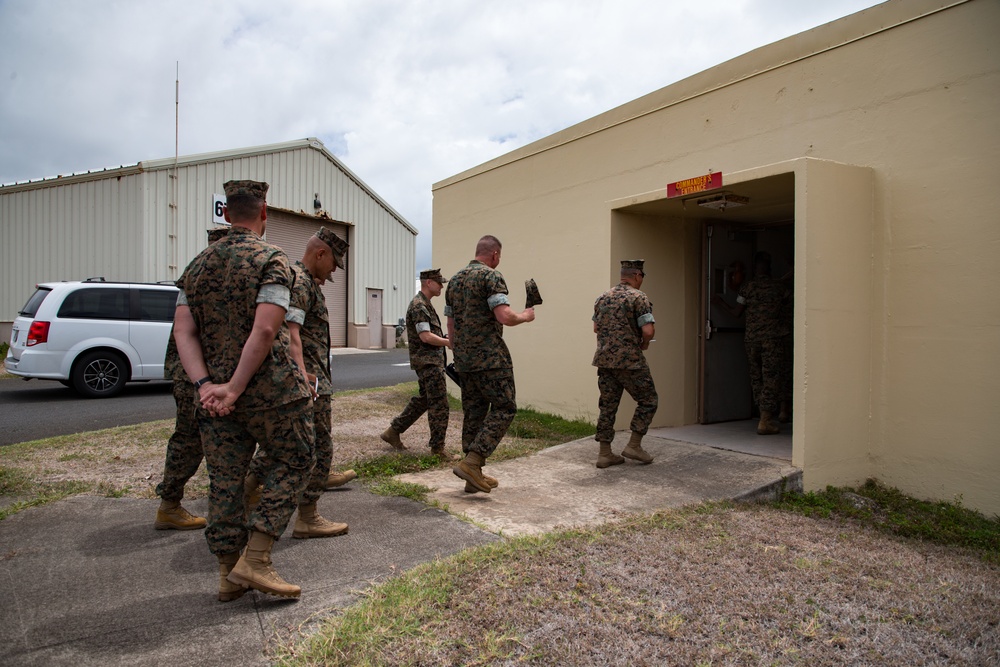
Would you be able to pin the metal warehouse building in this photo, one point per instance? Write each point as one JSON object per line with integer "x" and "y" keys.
{"x": 145, "y": 222}
{"x": 863, "y": 153}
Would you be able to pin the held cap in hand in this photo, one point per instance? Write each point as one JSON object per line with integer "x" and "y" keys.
{"x": 533, "y": 297}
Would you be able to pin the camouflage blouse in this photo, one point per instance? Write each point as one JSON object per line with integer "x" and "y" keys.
{"x": 472, "y": 295}
{"x": 172, "y": 368}
{"x": 308, "y": 310}
{"x": 620, "y": 314}
{"x": 421, "y": 316}
{"x": 766, "y": 302}
{"x": 222, "y": 286}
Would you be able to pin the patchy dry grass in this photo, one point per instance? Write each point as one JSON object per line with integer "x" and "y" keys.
{"x": 128, "y": 461}
{"x": 857, "y": 576}
{"x": 712, "y": 585}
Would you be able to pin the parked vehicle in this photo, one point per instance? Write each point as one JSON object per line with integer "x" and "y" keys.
{"x": 93, "y": 335}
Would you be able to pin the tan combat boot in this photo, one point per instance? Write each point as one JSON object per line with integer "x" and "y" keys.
{"x": 390, "y": 436}
{"x": 254, "y": 569}
{"x": 335, "y": 479}
{"x": 228, "y": 591}
{"x": 491, "y": 481}
{"x": 606, "y": 457}
{"x": 442, "y": 454}
{"x": 785, "y": 415}
{"x": 309, "y": 523}
{"x": 171, "y": 516}
{"x": 767, "y": 425}
{"x": 633, "y": 450}
{"x": 471, "y": 470}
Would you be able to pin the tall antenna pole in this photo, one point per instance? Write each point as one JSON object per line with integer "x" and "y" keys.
{"x": 177, "y": 112}
{"x": 173, "y": 222}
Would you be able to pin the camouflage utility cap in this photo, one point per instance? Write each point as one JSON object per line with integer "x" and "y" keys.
{"x": 633, "y": 264}
{"x": 433, "y": 274}
{"x": 338, "y": 245}
{"x": 256, "y": 189}
{"x": 533, "y": 297}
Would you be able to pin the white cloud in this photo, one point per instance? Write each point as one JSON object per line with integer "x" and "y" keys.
{"x": 406, "y": 93}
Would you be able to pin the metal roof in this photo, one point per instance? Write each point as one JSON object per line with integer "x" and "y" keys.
{"x": 185, "y": 160}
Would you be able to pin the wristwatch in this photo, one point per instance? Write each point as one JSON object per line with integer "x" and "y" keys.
{"x": 204, "y": 380}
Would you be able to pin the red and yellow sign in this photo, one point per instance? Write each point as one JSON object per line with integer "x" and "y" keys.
{"x": 690, "y": 186}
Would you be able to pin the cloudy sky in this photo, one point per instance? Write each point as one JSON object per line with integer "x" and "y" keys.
{"x": 404, "y": 92}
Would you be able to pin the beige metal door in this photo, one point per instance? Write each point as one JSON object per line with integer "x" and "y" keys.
{"x": 291, "y": 232}
{"x": 374, "y": 318}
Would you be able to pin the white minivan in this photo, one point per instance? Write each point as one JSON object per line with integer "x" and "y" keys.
{"x": 93, "y": 335}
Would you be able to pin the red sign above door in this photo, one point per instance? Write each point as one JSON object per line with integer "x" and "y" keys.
{"x": 690, "y": 186}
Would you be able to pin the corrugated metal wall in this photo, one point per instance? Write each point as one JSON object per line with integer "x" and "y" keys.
{"x": 121, "y": 223}
{"x": 71, "y": 231}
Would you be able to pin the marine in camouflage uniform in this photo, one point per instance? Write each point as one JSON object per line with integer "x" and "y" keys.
{"x": 624, "y": 324}
{"x": 184, "y": 452}
{"x": 233, "y": 298}
{"x": 308, "y": 322}
{"x": 426, "y": 342}
{"x": 477, "y": 307}
{"x": 765, "y": 300}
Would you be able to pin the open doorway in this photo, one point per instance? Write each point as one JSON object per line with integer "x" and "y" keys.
{"x": 728, "y": 252}
{"x": 694, "y": 240}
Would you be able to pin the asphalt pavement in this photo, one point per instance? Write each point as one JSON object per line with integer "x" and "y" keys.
{"x": 35, "y": 409}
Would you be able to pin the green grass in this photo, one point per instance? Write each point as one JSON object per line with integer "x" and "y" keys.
{"x": 377, "y": 474}
{"x": 530, "y": 432}
{"x": 888, "y": 510}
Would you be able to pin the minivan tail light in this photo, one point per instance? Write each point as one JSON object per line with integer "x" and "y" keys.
{"x": 37, "y": 333}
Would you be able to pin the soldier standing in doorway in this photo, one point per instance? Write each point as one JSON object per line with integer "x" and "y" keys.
{"x": 764, "y": 300}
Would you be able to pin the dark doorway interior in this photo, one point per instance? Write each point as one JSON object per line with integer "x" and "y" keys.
{"x": 728, "y": 258}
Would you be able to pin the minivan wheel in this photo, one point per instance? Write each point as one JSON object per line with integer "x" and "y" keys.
{"x": 100, "y": 374}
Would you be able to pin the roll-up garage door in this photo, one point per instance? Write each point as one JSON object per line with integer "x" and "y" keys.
{"x": 291, "y": 232}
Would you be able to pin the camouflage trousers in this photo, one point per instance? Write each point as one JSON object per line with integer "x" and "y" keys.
{"x": 768, "y": 372}
{"x": 433, "y": 400}
{"x": 639, "y": 385}
{"x": 184, "y": 453}
{"x": 489, "y": 405}
{"x": 322, "y": 451}
{"x": 285, "y": 434}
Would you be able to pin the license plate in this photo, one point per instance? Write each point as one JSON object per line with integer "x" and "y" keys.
{"x": 13, "y": 337}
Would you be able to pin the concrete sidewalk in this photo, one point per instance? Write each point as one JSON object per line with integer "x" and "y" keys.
{"x": 560, "y": 487}
{"x": 87, "y": 581}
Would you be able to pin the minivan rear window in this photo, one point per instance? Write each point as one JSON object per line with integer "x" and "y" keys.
{"x": 157, "y": 305}
{"x": 34, "y": 302}
{"x": 96, "y": 304}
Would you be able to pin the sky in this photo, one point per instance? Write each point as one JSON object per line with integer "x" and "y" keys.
{"x": 405, "y": 93}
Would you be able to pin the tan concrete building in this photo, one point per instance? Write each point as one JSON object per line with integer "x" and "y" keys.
{"x": 863, "y": 152}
